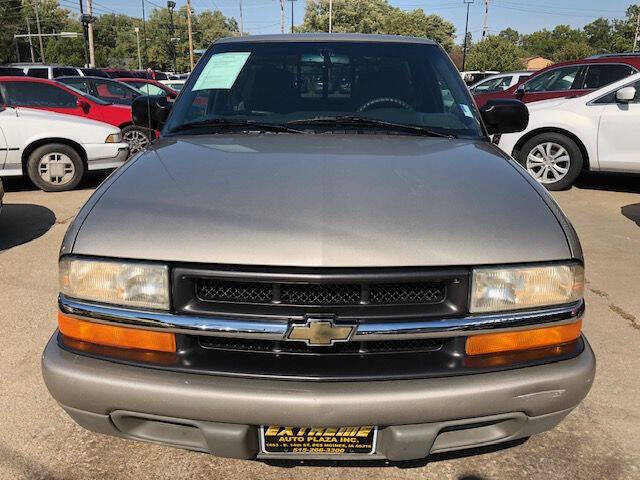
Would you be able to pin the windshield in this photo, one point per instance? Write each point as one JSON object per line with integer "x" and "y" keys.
{"x": 303, "y": 84}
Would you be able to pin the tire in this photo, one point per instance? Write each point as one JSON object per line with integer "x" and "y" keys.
{"x": 55, "y": 167}
{"x": 138, "y": 138}
{"x": 552, "y": 159}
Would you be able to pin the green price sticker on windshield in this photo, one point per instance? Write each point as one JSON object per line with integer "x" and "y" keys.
{"x": 221, "y": 71}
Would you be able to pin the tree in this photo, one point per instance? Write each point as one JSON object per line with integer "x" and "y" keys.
{"x": 11, "y": 19}
{"x": 625, "y": 31}
{"x": 417, "y": 24}
{"x": 495, "y": 53}
{"x": 573, "y": 51}
{"x": 511, "y": 35}
{"x": 600, "y": 35}
{"x": 349, "y": 16}
{"x": 549, "y": 43}
{"x": 376, "y": 16}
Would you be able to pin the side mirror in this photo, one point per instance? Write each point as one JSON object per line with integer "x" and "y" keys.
{"x": 150, "y": 111}
{"x": 84, "y": 105}
{"x": 626, "y": 94}
{"x": 505, "y": 115}
{"x": 521, "y": 90}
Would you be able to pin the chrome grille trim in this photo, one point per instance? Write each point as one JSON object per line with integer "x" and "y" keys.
{"x": 266, "y": 329}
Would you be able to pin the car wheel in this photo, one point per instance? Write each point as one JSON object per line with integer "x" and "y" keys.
{"x": 552, "y": 159}
{"x": 137, "y": 138}
{"x": 55, "y": 167}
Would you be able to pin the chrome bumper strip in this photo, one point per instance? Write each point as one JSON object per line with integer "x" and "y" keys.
{"x": 265, "y": 329}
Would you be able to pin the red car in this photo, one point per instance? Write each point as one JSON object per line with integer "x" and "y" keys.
{"x": 568, "y": 79}
{"x": 56, "y": 97}
{"x": 150, "y": 87}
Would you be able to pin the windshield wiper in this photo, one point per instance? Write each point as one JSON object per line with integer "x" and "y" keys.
{"x": 370, "y": 122}
{"x": 227, "y": 123}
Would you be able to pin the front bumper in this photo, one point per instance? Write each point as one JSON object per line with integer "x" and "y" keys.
{"x": 220, "y": 415}
{"x": 106, "y": 155}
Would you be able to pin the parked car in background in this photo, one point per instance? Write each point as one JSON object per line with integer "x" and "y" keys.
{"x": 107, "y": 89}
{"x": 56, "y": 97}
{"x": 11, "y": 71}
{"x": 597, "y": 132}
{"x": 93, "y": 72}
{"x": 148, "y": 86}
{"x": 567, "y": 79}
{"x": 499, "y": 82}
{"x": 175, "y": 85}
{"x": 55, "y": 151}
{"x": 474, "y": 76}
{"x": 40, "y": 70}
{"x": 348, "y": 275}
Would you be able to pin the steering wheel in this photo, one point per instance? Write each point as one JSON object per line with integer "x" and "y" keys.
{"x": 396, "y": 101}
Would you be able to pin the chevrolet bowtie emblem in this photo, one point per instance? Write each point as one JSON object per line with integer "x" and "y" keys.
{"x": 320, "y": 332}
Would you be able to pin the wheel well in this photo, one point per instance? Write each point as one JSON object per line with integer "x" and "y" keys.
{"x": 26, "y": 153}
{"x": 533, "y": 133}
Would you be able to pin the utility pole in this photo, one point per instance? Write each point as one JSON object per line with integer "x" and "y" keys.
{"x": 330, "y": 14}
{"x": 39, "y": 31}
{"x": 33, "y": 56}
{"x": 485, "y": 22}
{"x": 137, "y": 30}
{"x": 190, "y": 32}
{"x": 92, "y": 53}
{"x": 635, "y": 40}
{"x": 292, "y": 14}
{"x": 281, "y": 16}
{"x": 466, "y": 34}
{"x": 170, "y": 6}
{"x": 144, "y": 34}
{"x": 85, "y": 32}
{"x": 241, "y": 20}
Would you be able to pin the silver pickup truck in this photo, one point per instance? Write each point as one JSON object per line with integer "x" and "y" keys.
{"x": 324, "y": 257}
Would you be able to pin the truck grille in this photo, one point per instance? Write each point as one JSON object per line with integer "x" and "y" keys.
{"x": 272, "y": 346}
{"x": 320, "y": 294}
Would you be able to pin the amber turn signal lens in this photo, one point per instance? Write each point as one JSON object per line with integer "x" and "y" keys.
{"x": 522, "y": 340}
{"x": 121, "y": 337}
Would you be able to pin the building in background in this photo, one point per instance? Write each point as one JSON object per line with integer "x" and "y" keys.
{"x": 536, "y": 63}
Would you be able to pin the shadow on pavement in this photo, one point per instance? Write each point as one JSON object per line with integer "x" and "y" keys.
{"x": 613, "y": 182}
{"x": 22, "y": 184}
{"x": 21, "y": 223}
{"x": 632, "y": 212}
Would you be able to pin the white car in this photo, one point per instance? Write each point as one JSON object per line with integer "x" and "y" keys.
{"x": 175, "y": 84}
{"x": 499, "y": 82}
{"x": 55, "y": 150}
{"x": 597, "y": 131}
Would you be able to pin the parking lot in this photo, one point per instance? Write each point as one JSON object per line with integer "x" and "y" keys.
{"x": 598, "y": 440}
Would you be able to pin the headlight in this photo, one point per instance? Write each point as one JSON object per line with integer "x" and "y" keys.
{"x": 500, "y": 289}
{"x": 129, "y": 284}
{"x": 114, "y": 138}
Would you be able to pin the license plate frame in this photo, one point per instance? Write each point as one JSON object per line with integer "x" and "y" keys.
{"x": 346, "y": 441}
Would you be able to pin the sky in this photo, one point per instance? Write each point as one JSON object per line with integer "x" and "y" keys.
{"x": 263, "y": 16}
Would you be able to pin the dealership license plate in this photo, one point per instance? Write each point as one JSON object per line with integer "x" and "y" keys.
{"x": 318, "y": 441}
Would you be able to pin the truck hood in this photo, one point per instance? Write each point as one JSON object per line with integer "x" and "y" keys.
{"x": 321, "y": 200}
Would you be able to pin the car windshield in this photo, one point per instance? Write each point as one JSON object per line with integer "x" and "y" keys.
{"x": 325, "y": 86}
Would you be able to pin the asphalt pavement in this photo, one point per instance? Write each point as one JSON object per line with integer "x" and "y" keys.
{"x": 599, "y": 440}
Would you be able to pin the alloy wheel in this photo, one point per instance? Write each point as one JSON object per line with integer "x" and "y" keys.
{"x": 136, "y": 139}
{"x": 548, "y": 162}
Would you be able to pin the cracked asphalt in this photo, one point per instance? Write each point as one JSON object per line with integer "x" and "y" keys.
{"x": 599, "y": 440}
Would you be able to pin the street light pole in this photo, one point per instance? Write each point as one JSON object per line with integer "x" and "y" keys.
{"x": 85, "y": 33}
{"x": 39, "y": 31}
{"x": 466, "y": 34}
{"x": 92, "y": 53}
{"x": 635, "y": 40}
{"x": 190, "y": 32}
{"x": 170, "y": 6}
{"x": 137, "y": 30}
{"x": 292, "y": 14}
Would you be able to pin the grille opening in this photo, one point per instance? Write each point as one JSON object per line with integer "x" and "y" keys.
{"x": 292, "y": 347}
{"x": 321, "y": 294}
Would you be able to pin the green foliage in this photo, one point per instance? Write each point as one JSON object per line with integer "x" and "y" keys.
{"x": 550, "y": 43}
{"x": 511, "y": 35}
{"x": 11, "y": 20}
{"x": 377, "y": 16}
{"x": 600, "y": 34}
{"x": 495, "y": 53}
